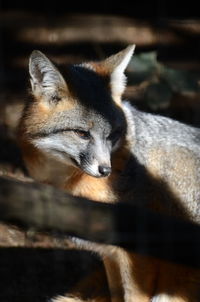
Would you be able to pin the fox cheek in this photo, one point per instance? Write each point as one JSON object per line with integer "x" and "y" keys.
{"x": 84, "y": 158}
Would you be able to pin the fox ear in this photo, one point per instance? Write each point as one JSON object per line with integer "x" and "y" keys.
{"x": 45, "y": 78}
{"x": 116, "y": 65}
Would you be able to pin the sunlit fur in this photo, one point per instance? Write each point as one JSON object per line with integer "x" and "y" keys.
{"x": 76, "y": 122}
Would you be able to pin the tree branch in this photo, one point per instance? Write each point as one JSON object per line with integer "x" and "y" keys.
{"x": 137, "y": 229}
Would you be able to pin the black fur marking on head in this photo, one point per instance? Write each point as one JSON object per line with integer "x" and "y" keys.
{"x": 90, "y": 88}
{"x": 55, "y": 98}
{"x": 93, "y": 92}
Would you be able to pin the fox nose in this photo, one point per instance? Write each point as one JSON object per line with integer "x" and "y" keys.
{"x": 104, "y": 170}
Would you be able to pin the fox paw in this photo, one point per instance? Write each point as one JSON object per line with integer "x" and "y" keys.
{"x": 76, "y": 299}
{"x": 66, "y": 299}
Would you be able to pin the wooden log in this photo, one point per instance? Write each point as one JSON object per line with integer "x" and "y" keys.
{"x": 32, "y": 205}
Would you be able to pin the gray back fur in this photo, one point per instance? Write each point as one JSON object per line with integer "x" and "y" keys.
{"x": 164, "y": 169}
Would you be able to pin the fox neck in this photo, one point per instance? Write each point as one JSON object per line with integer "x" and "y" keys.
{"x": 44, "y": 168}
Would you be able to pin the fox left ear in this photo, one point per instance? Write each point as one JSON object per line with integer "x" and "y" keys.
{"x": 116, "y": 65}
{"x": 45, "y": 78}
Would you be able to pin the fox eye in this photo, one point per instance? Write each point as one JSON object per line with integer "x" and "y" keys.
{"x": 83, "y": 134}
{"x": 55, "y": 98}
{"x": 115, "y": 135}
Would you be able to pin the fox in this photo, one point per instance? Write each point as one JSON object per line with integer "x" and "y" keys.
{"x": 79, "y": 135}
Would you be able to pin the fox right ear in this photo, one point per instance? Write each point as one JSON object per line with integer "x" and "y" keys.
{"x": 116, "y": 65}
{"x": 45, "y": 78}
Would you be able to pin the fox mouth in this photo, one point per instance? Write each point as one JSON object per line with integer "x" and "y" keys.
{"x": 74, "y": 161}
{"x": 65, "y": 158}
{"x": 84, "y": 168}
{"x": 96, "y": 175}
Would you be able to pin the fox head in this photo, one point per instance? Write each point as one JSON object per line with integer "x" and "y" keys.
{"x": 75, "y": 115}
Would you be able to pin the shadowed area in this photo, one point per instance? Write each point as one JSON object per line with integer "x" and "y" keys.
{"x": 30, "y": 273}
{"x": 24, "y": 273}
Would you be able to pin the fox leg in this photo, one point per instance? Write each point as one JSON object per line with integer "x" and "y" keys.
{"x": 66, "y": 299}
{"x": 114, "y": 279}
{"x": 169, "y": 298}
{"x": 125, "y": 273}
{"x": 75, "y": 299}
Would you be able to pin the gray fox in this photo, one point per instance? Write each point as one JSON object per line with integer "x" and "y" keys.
{"x": 77, "y": 134}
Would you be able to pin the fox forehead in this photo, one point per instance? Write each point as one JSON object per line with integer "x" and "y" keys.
{"x": 89, "y": 87}
{"x": 85, "y": 85}
{"x": 87, "y": 104}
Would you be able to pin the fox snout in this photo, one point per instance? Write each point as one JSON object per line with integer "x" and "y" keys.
{"x": 95, "y": 169}
{"x": 94, "y": 164}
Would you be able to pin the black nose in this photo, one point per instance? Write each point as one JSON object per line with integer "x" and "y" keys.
{"x": 104, "y": 170}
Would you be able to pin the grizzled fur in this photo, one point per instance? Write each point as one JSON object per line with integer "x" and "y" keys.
{"x": 78, "y": 135}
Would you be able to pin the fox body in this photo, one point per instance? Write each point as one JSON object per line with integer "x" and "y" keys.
{"x": 77, "y": 134}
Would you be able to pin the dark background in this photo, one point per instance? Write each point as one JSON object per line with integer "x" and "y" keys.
{"x": 139, "y": 9}
{"x": 29, "y": 273}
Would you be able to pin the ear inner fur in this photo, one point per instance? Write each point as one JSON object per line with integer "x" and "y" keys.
{"x": 114, "y": 66}
{"x": 46, "y": 80}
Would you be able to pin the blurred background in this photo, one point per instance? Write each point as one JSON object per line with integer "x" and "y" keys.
{"x": 163, "y": 77}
